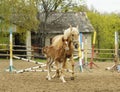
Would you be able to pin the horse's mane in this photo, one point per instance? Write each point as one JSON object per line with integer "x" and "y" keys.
{"x": 71, "y": 30}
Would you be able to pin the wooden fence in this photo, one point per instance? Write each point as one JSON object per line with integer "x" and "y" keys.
{"x": 104, "y": 54}
{"x": 19, "y": 50}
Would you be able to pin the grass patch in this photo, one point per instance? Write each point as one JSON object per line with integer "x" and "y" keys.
{"x": 40, "y": 60}
{"x": 3, "y": 59}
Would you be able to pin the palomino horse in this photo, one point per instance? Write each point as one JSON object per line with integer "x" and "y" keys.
{"x": 58, "y": 55}
{"x": 72, "y": 34}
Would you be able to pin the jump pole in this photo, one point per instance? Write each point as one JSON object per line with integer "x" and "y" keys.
{"x": 31, "y": 69}
{"x": 116, "y": 46}
{"x": 11, "y": 60}
{"x": 86, "y": 51}
{"x": 93, "y": 45}
{"x": 116, "y": 56}
{"x": 79, "y": 52}
{"x": 11, "y": 68}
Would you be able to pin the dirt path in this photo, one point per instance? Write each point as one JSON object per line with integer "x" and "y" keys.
{"x": 99, "y": 80}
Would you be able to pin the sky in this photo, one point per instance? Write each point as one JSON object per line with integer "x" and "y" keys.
{"x": 104, "y": 5}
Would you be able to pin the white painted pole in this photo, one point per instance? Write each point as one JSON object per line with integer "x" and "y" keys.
{"x": 116, "y": 43}
{"x": 86, "y": 62}
{"x": 80, "y": 57}
{"x": 11, "y": 52}
{"x": 116, "y": 58}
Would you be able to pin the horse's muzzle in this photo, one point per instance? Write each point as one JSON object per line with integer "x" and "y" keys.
{"x": 67, "y": 48}
{"x": 76, "y": 46}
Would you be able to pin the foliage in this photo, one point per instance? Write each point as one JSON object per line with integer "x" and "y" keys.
{"x": 21, "y": 13}
{"x": 4, "y": 38}
{"x": 105, "y": 25}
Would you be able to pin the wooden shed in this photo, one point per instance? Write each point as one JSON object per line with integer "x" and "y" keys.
{"x": 58, "y": 22}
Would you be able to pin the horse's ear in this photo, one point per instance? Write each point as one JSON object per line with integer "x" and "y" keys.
{"x": 77, "y": 26}
{"x": 70, "y": 28}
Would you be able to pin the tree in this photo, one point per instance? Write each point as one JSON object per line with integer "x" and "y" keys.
{"x": 22, "y": 13}
{"x": 47, "y": 7}
{"x": 50, "y": 6}
{"x": 19, "y": 13}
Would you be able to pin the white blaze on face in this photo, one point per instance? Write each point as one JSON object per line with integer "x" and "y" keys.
{"x": 66, "y": 43}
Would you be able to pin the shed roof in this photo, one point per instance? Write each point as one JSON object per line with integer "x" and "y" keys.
{"x": 57, "y": 22}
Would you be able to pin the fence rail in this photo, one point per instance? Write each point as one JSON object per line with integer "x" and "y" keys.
{"x": 20, "y": 50}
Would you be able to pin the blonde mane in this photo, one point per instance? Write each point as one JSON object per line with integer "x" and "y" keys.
{"x": 72, "y": 33}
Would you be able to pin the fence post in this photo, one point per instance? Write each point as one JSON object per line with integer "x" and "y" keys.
{"x": 116, "y": 57}
{"x": 28, "y": 44}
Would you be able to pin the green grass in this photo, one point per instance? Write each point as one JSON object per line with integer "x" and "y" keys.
{"x": 40, "y": 60}
{"x": 3, "y": 59}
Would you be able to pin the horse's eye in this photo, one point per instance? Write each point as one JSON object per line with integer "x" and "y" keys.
{"x": 72, "y": 34}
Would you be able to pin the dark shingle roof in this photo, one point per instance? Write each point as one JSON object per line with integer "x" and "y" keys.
{"x": 57, "y": 22}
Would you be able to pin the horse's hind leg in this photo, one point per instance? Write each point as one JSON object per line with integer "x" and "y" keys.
{"x": 62, "y": 73}
{"x": 49, "y": 60}
{"x": 57, "y": 70}
{"x": 72, "y": 64}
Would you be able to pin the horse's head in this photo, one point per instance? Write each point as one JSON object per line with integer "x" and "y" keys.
{"x": 44, "y": 50}
{"x": 73, "y": 34}
{"x": 65, "y": 44}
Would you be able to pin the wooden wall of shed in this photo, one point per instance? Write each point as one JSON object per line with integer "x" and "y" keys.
{"x": 88, "y": 36}
{"x": 48, "y": 38}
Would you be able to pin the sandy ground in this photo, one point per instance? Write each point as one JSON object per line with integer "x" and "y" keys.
{"x": 98, "y": 80}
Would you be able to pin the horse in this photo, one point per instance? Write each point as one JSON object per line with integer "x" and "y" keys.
{"x": 57, "y": 55}
{"x": 72, "y": 34}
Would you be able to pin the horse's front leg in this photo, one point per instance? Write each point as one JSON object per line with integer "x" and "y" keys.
{"x": 49, "y": 60}
{"x": 57, "y": 70}
{"x": 73, "y": 65}
{"x": 62, "y": 67}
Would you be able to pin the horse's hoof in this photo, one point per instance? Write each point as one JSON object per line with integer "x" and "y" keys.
{"x": 64, "y": 81}
{"x": 72, "y": 78}
{"x": 47, "y": 78}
